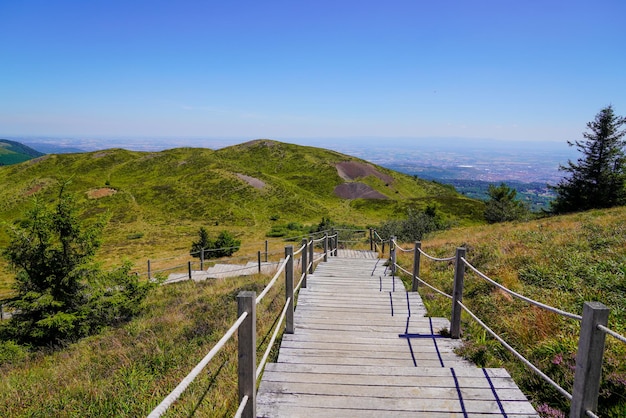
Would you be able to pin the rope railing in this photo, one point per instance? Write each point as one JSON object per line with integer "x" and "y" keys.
{"x": 426, "y": 284}
{"x": 430, "y": 257}
{"x": 397, "y": 246}
{"x": 175, "y": 394}
{"x": 517, "y": 354}
{"x": 271, "y": 283}
{"x": 268, "y": 350}
{"x": 524, "y": 298}
{"x": 590, "y": 351}
{"x": 612, "y": 333}
{"x": 299, "y": 250}
{"x": 242, "y": 407}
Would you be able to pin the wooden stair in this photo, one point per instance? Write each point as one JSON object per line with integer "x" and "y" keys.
{"x": 363, "y": 347}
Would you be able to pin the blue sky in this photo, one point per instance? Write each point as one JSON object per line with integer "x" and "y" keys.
{"x": 509, "y": 70}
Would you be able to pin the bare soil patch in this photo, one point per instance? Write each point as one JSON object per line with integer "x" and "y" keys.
{"x": 357, "y": 191}
{"x": 254, "y": 182}
{"x": 99, "y": 193}
{"x": 352, "y": 170}
{"x": 33, "y": 190}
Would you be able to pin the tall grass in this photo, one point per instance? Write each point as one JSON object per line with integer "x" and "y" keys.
{"x": 127, "y": 371}
{"x": 563, "y": 262}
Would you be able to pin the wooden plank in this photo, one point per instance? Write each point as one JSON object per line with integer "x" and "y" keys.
{"x": 351, "y": 355}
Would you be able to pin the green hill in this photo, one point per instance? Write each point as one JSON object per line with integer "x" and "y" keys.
{"x": 158, "y": 200}
{"x": 12, "y": 152}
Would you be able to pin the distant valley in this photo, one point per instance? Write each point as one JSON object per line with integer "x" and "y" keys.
{"x": 470, "y": 165}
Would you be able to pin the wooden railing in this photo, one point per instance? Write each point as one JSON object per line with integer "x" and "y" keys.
{"x": 245, "y": 325}
{"x": 593, "y": 330}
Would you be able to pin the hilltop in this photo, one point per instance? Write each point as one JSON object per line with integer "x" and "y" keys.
{"x": 157, "y": 200}
{"x": 12, "y": 152}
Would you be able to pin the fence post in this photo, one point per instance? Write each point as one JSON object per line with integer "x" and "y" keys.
{"x": 259, "y": 260}
{"x": 149, "y": 271}
{"x": 202, "y": 259}
{"x": 189, "y": 269}
{"x": 371, "y": 240}
{"x": 589, "y": 359}
{"x": 416, "y": 266}
{"x": 325, "y": 247}
{"x": 289, "y": 289}
{"x": 246, "y": 368}
{"x": 457, "y": 294}
{"x": 304, "y": 260}
{"x": 311, "y": 254}
{"x": 392, "y": 256}
{"x": 266, "y": 251}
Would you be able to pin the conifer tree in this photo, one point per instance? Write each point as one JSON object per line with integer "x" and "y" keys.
{"x": 598, "y": 178}
{"x": 503, "y": 205}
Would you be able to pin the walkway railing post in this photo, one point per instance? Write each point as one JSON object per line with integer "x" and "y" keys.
{"x": 416, "y": 266}
{"x": 304, "y": 261}
{"x": 149, "y": 271}
{"x": 589, "y": 360}
{"x": 457, "y": 294}
{"x": 371, "y": 240}
{"x": 189, "y": 269}
{"x": 258, "y": 256}
{"x": 266, "y": 251}
{"x": 392, "y": 256}
{"x": 311, "y": 248}
{"x": 325, "y": 247}
{"x": 333, "y": 241}
{"x": 289, "y": 289}
{"x": 202, "y": 259}
{"x": 246, "y": 302}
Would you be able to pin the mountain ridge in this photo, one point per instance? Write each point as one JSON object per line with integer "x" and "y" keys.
{"x": 12, "y": 152}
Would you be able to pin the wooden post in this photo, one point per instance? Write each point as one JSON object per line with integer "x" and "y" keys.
{"x": 371, "y": 240}
{"x": 311, "y": 254}
{"x": 457, "y": 294}
{"x": 202, "y": 259}
{"x": 149, "y": 271}
{"x": 392, "y": 256}
{"x": 325, "y": 247}
{"x": 1, "y": 312}
{"x": 259, "y": 260}
{"x": 416, "y": 266}
{"x": 266, "y": 251}
{"x": 589, "y": 360}
{"x": 289, "y": 289}
{"x": 246, "y": 367}
{"x": 189, "y": 269}
{"x": 304, "y": 260}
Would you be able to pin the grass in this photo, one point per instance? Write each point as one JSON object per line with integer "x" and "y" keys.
{"x": 163, "y": 198}
{"x": 127, "y": 371}
{"x": 561, "y": 261}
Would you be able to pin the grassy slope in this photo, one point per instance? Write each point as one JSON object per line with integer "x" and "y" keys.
{"x": 127, "y": 371}
{"x": 12, "y": 152}
{"x": 164, "y": 197}
{"x": 561, "y": 261}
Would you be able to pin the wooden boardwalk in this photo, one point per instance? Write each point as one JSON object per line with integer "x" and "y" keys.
{"x": 363, "y": 348}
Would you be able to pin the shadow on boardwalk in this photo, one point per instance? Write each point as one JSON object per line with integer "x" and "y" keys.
{"x": 363, "y": 347}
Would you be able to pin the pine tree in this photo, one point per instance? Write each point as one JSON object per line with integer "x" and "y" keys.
{"x": 60, "y": 294}
{"x": 598, "y": 178}
{"x": 503, "y": 205}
